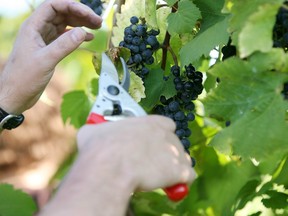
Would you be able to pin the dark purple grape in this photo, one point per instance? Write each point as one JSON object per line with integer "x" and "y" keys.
{"x": 190, "y": 116}
{"x": 186, "y": 143}
{"x": 179, "y": 116}
{"x": 174, "y": 106}
{"x": 134, "y": 20}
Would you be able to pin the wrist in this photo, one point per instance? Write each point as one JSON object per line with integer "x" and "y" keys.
{"x": 7, "y": 97}
{"x": 88, "y": 190}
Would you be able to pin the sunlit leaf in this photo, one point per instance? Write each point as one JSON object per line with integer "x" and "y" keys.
{"x": 259, "y": 23}
{"x": 15, "y": 202}
{"x": 75, "y": 107}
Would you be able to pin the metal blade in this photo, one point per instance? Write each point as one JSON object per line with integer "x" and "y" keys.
{"x": 109, "y": 68}
{"x": 125, "y": 82}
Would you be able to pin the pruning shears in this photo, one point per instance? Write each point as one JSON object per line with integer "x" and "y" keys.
{"x": 114, "y": 103}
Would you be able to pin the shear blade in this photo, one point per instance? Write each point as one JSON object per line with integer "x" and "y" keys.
{"x": 109, "y": 68}
{"x": 125, "y": 82}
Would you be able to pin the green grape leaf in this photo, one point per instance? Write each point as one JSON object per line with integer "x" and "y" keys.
{"x": 136, "y": 89}
{"x": 276, "y": 200}
{"x": 259, "y": 23}
{"x": 168, "y": 88}
{"x": 247, "y": 193}
{"x": 251, "y": 100}
{"x": 152, "y": 203}
{"x": 15, "y": 202}
{"x": 241, "y": 10}
{"x": 154, "y": 86}
{"x": 204, "y": 42}
{"x": 217, "y": 179}
{"x": 75, "y": 107}
{"x": 211, "y": 12}
{"x": 213, "y": 31}
{"x": 184, "y": 20}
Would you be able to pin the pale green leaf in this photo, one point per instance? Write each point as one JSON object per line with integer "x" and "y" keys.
{"x": 150, "y": 14}
{"x": 75, "y": 107}
{"x": 136, "y": 89}
{"x": 241, "y": 11}
{"x": 259, "y": 25}
{"x": 276, "y": 59}
{"x": 15, "y": 202}
{"x": 184, "y": 20}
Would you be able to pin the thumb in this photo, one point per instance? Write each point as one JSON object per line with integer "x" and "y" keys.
{"x": 64, "y": 45}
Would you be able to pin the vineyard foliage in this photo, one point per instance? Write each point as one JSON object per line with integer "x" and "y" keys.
{"x": 240, "y": 133}
{"x": 239, "y": 137}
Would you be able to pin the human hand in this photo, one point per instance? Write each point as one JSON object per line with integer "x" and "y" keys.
{"x": 144, "y": 149}
{"x": 42, "y": 42}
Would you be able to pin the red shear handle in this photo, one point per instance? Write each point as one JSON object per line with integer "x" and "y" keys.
{"x": 94, "y": 118}
{"x": 177, "y": 192}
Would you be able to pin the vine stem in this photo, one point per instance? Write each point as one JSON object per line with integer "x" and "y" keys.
{"x": 173, "y": 55}
{"x": 166, "y": 44}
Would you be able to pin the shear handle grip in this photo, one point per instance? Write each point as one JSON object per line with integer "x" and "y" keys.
{"x": 175, "y": 193}
{"x": 94, "y": 118}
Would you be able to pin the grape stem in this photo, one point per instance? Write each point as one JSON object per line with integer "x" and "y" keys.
{"x": 166, "y": 44}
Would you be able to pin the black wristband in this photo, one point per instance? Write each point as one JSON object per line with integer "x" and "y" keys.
{"x": 9, "y": 121}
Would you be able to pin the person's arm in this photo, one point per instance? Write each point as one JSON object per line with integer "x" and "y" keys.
{"x": 117, "y": 159}
{"x": 42, "y": 42}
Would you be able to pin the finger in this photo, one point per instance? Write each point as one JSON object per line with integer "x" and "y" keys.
{"x": 76, "y": 13}
{"x": 90, "y": 18}
{"x": 186, "y": 174}
{"x": 164, "y": 122}
{"x": 64, "y": 45}
{"x": 89, "y": 37}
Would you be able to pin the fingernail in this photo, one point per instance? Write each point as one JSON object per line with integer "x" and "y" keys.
{"x": 78, "y": 34}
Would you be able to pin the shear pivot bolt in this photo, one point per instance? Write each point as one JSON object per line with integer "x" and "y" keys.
{"x": 113, "y": 90}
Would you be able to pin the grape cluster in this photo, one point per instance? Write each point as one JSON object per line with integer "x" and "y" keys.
{"x": 180, "y": 107}
{"x": 142, "y": 44}
{"x": 280, "y": 30}
{"x": 228, "y": 51}
{"x": 95, "y": 5}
